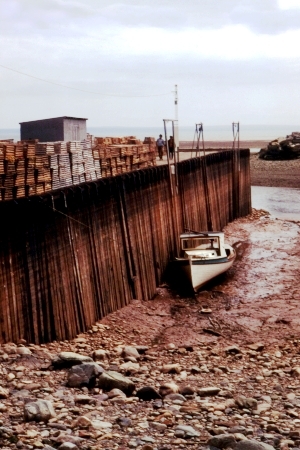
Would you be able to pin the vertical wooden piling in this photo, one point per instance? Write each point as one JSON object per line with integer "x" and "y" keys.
{"x": 69, "y": 258}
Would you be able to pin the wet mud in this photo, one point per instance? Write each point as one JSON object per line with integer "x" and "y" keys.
{"x": 256, "y": 300}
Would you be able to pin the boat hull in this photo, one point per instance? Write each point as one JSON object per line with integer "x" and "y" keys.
{"x": 200, "y": 271}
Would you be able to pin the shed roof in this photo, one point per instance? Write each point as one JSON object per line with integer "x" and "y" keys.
{"x": 62, "y": 117}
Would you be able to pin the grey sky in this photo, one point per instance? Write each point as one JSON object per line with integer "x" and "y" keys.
{"x": 232, "y": 60}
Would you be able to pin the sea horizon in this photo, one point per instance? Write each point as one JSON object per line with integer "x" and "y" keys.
{"x": 186, "y": 133}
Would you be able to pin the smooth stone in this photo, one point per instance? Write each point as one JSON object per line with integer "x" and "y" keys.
{"x": 69, "y": 359}
{"x": 40, "y": 411}
{"x": 116, "y": 393}
{"x": 208, "y": 391}
{"x": 158, "y": 426}
{"x": 110, "y": 380}
{"x": 147, "y": 439}
{"x": 129, "y": 351}
{"x": 69, "y": 438}
{"x": 171, "y": 368}
{"x": 68, "y": 446}
{"x": 101, "y": 425}
{"x": 83, "y": 422}
{"x": 130, "y": 367}
{"x": 189, "y": 431}
{"x": 23, "y": 351}
{"x": 187, "y": 390}
{"x": 174, "y": 397}
{"x": 252, "y": 445}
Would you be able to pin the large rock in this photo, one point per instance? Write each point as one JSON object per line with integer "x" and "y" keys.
{"x": 40, "y": 411}
{"x": 252, "y": 445}
{"x": 282, "y": 148}
{"x": 69, "y": 359}
{"x": 84, "y": 374}
{"x": 110, "y": 380}
{"x": 222, "y": 441}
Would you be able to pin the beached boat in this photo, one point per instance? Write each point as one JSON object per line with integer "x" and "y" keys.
{"x": 205, "y": 255}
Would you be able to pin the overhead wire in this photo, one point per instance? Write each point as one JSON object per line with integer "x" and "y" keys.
{"x": 82, "y": 90}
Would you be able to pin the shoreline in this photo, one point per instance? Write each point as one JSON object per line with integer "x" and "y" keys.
{"x": 225, "y": 144}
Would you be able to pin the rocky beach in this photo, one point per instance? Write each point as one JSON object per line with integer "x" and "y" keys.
{"x": 218, "y": 370}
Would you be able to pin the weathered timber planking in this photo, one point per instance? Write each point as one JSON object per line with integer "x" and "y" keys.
{"x": 73, "y": 256}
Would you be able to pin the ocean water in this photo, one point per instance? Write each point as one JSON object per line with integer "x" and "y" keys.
{"x": 282, "y": 203}
{"x": 186, "y": 133}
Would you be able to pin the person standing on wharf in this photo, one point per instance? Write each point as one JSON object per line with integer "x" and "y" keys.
{"x": 160, "y": 143}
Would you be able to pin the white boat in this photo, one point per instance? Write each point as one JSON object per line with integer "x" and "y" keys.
{"x": 205, "y": 255}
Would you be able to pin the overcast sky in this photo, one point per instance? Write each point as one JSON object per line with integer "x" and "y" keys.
{"x": 233, "y": 60}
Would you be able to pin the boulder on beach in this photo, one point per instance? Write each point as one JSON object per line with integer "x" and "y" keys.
{"x": 282, "y": 148}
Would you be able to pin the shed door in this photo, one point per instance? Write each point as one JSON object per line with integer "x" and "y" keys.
{"x": 75, "y": 132}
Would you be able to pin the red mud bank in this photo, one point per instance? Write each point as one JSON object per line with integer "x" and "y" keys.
{"x": 274, "y": 173}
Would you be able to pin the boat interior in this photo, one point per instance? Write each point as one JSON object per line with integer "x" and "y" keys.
{"x": 207, "y": 246}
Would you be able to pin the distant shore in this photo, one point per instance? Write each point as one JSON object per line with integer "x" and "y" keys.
{"x": 225, "y": 144}
{"x": 263, "y": 173}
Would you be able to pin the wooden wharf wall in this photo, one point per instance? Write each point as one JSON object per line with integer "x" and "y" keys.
{"x": 70, "y": 257}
